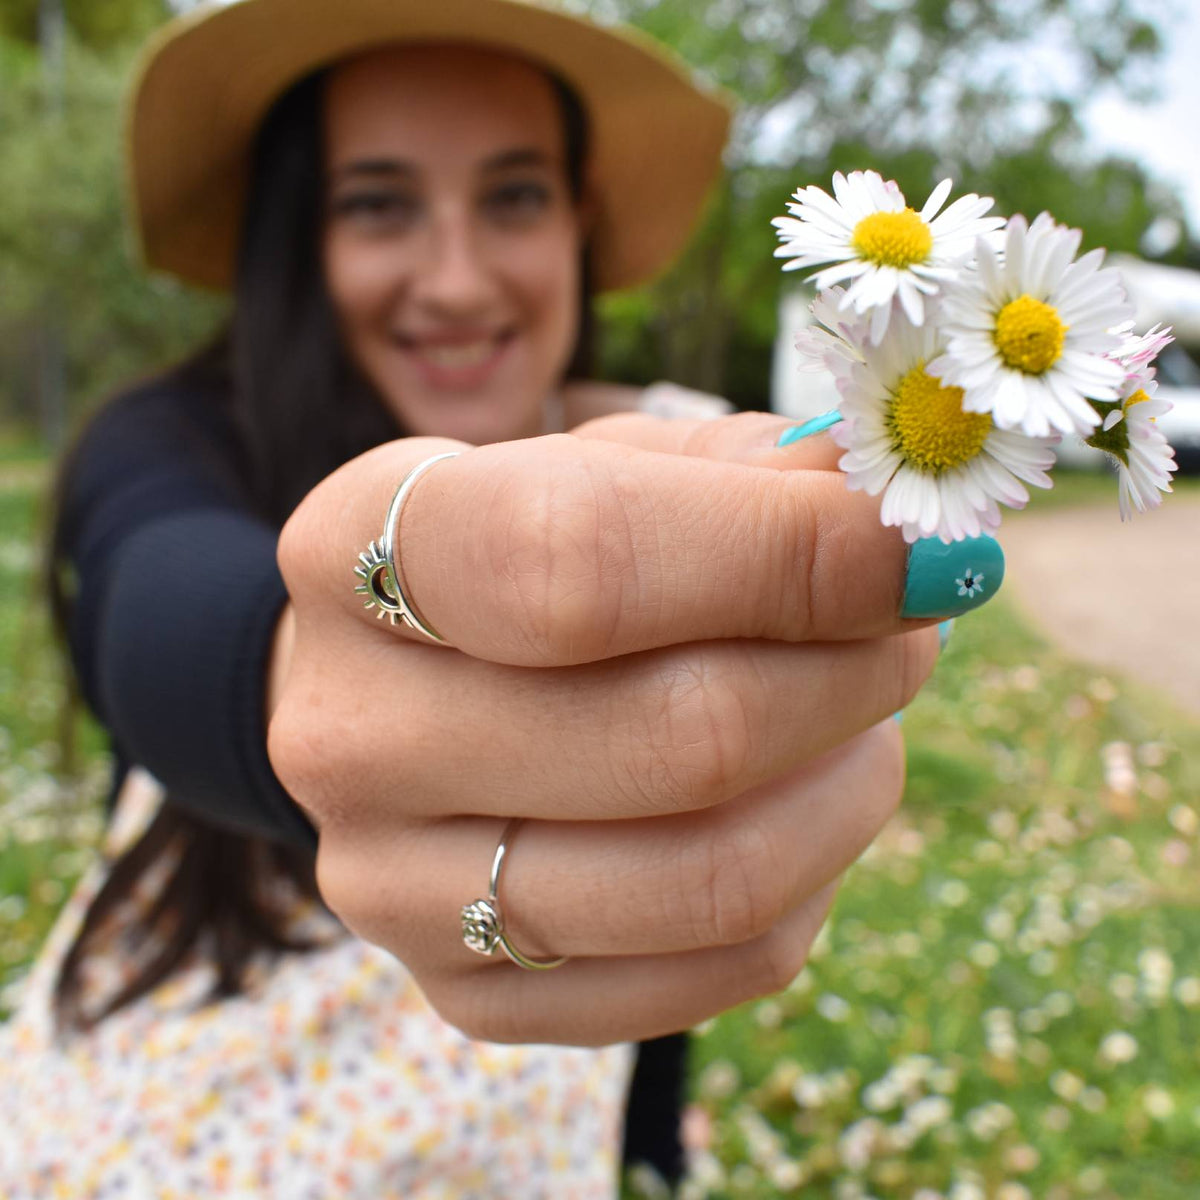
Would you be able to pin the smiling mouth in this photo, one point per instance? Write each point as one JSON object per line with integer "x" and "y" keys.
{"x": 456, "y": 352}
{"x": 457, "y": 360}
{"x": 458, "y": 357}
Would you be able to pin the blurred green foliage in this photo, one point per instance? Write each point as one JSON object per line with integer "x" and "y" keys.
{"x": 987, "y": 93}
{"x": 100, "y": 25}
{"x": 76, "y": 313}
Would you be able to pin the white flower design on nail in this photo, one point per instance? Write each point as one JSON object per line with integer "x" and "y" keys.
{"x": 970, "y": 583}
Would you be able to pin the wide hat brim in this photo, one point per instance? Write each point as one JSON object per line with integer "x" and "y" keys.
{"x": 208, "y": 79}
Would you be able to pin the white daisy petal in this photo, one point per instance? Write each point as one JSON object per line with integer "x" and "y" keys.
{"x": 865, "y": 232}
{"x": 936, "y": 199}
{"x": 906, "y": 438}
{"x": 1144, "y": 458}
{"x": 1031, "y": 332}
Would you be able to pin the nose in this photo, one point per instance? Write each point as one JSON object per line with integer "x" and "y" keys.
{"x": 452, "y": 278}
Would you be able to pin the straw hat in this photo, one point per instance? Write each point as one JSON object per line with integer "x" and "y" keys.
{"x": 208, "y": 79}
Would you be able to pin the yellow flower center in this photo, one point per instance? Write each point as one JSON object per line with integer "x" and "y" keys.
{"x": 1137, "y": 398}
{"x": 892, "y": 239}
{"x": 1029, "y": 335}
{"x": 928, "y": 426}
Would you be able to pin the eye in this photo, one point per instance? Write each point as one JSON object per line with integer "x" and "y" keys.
{"x": 518, "y": 202}
{"x": 376, "y": 208}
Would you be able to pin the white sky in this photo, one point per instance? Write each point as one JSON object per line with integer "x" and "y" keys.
{"x": 1163, "y": 136}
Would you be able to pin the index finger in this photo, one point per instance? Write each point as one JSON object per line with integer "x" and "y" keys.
{"x": 558, "y": 550}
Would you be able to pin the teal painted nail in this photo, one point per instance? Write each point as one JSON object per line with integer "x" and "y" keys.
{"x": 816, "y": 425}
{"x": 948, "y": 580}
{"x": 945, "y": 629}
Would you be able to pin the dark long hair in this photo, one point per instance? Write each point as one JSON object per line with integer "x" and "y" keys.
{"x": 300, "y": 409}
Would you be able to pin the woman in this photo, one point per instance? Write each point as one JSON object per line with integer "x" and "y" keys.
{"x": 668, "y": 648}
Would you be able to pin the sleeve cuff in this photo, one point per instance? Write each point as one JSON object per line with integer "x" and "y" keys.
{"x": 187, "y": 625}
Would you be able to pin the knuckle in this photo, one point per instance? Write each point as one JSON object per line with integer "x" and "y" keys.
{"x": 733, "y": 885}
{"x": 775, "y": 960}
{"x": 563, "y": 553}
{"x": 613, "y": 426}
{"x": 712, "y": 438}
{"x": 315, "y": 758}
{"x": 294, "y": 548}
{"x": 693, "y": 746}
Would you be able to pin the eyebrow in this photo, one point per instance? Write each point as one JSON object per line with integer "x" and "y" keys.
{"x": 504, "y": 161}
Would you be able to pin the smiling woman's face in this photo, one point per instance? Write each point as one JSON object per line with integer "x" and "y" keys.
{"x": 452, "y": 242}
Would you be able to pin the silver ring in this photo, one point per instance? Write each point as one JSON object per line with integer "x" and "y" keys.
{"x": 483, "y": 920}
{"x": 381, "y": 580}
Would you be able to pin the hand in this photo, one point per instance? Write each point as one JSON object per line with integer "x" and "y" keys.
{"x": 680, "y": 669}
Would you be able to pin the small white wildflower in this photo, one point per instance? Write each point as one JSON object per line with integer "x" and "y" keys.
{"x": 1056, "y": 1118}
{"x": 859, "y": 1143}
{"x": 1022, "y": 1158}
{"x": 1066, "y": 1085}
{"x": 929, "y": 1112}
{"x": 953, "y": 893}
{"x": 719, "y": 1080}
{"x": 1058, "y": 1004}
{"x": 1013, "y": 1191}
{"x": 1184, "y": 819}
{"x": 1158, "y": 1103}
{"x": 833, "y": 1008}
{"x": 1187, "y": 991}
{"x": 966, "y": 1190}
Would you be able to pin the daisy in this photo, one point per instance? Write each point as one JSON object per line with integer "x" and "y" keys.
{"x": 831, "y": 343}
{"x": 943, "y": 471}
{"x": 1029, "y": 331}
{"x": 1143, "y": 456}
{"x": 1135, "y": 353}
{"x": 883, "y": 249}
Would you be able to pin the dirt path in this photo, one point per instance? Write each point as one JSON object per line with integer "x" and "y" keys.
{"x": 1121, "y": 595}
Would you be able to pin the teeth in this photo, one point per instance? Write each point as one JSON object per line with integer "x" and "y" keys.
{"x": 470, "y": 355}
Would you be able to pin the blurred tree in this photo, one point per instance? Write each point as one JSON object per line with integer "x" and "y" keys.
{"x": 67, "y": 279}
{"x": 98, "y": 24}
{"x": 985, "y": 92}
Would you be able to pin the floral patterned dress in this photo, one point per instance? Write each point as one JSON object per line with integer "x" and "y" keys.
{"x": 329, "y": 1077}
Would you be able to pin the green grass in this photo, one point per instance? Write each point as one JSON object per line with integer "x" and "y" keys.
{"x": 1006, "y": 1002}
{"x": 51, "y": 774}
{"x": 1029, "y": 903}
{"x": 1072, "y": 488}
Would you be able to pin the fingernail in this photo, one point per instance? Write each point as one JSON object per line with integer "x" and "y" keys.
{"x": 948, "y": 580}
{"x": 816, "y": 425}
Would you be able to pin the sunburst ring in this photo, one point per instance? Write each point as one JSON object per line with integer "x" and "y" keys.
{"x": 372, "y": 570}
{"x": 380, "y": 580}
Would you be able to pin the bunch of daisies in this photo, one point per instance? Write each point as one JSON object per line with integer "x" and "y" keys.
{"x": 965, "y": 347}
